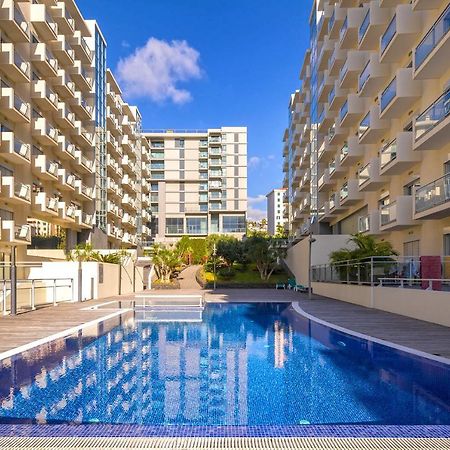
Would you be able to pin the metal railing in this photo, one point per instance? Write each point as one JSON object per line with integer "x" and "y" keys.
{"x": 35, "y": 293}
{"x": 433, "y": 194}
{"x": 381, "y": 271}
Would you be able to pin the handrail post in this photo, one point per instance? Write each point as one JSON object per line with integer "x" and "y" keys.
{"x": 33, "y": 295}
{"x": 348, "y": 272}
{"x": 4, "y": 297}
{"x": 54, "y": 292}
{"x": 13, "y": 282}
{"x": 371, "y": 271}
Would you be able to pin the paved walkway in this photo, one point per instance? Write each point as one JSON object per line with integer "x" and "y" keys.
{"x": 187, "y": 278}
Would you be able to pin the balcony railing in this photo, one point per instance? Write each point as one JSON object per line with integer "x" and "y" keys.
{"x": 343, "y": 193}
{"x": 332, "y": 94}
{"x": 433, "y": 115}
{"x": 20, "y": 19}
{"x": 363, "y": 224}
{"x": 388, "y": 153}
{"x": 21, "y": 64}
{"x": 22, "y": 149}
{"x": 343, "y": 29}
{"x": 388, "y": 213}
{"x": 331, "y": 21}
{"x": 343, "y": 111}
{"x": 364, "y": 125}
{"x": 21, "y": 106}
{"x": 388, "y": 95}
{"x": 364, "y": 76}
{"x": 364, "y": 175}
{"x": 432, "y": 38}
{"x": 433, "y": 194}
{"x": 389, "y": 34}
{"x": 364, "y": 26}
{"x": 22, "y": 191}
{"x": 343, "y": 152}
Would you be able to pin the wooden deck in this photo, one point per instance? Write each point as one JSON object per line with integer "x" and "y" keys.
{"x": 435, "y": 339}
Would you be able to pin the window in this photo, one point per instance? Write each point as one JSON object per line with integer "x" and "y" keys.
{"x": 179, "y": 143}
{"x": 154, "y": 186}
{"x": 233, "y": 224}
{"x": 174, "y": 225}
{"x": 197, "y": 225}
{"x": 411, "y": 248}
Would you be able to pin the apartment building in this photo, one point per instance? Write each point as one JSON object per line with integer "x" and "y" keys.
{"x": 275, "y": 210}
{"x": 54, "y": 120}
{"x": 367, "y": 148}
{"x": 198, "y": 182}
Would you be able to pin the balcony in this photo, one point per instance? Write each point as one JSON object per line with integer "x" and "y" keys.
{"x": 43, "y": 59}
{"x": 349, "y": 194}
{"x": 64, "y": 117}
{"x": 430, "y": 56}
{"x": 397, "y": 214}
{"x": 334, "y": 206}
{"x": 66, "y": 213}
{"x": 13, "y": 107}
{"x": 373, "y": 77}
{"x": 350, "y": 152}
{"x": 351, "y": 110}
{"x": 81, "y": 107}
{"x": 84, "y": 164}
{"x": 43, "y": 95}
{"x": 336, "y": 97}
{"x": 66, "y": 180}
{"x": 44, "y": 168}
{"x": 44, "y": 132}
{"x": 326, "y": 213}
{"x": 125, "y": 142}
{"x": 325, "y": 183}
{"x": 13, "y": 64}
{"x": 326, "y": 50}
{"x": 349, "y": 73}
{"x": 63, "y": 85}
{"x": 348, "y": 34}
{"x": 431, "y": 128}
{"x": 81, "y": 77}
{"x": 327, "y": 84}
{"x": 398, "y": 155}
{"x": 403, "y": 29}
{"x": 372, "y": 26}
{"x": 43, "y": 23}
{"x": 15, "y": 192}
{"x": 421, "y": 5}
{"x": 336, "y": 20}
{"x": 305, "y": 182}
{"x": 399, "y": 95}
{"x": 432, "y": 201}
{"x": 369, "y": 177}
{"x": 84, "y": 192}
{"x": 13, "y": 22}
{"x": 297, "y": 176}
{"x": 15, "y": 234}
{"x": 14, "y": 150}
{"x": 335, "y": 170}
{"x": 83, "y": 219}
{"x": 372, "y": 128}
{"x": 326, "y": 118}
{"x": 81, "y": 48}
{"x": 44, "y": 205}
{"x": 337, "y": 60}
{"x": 66, "y": 24}
{"x": 83, "y": 137}
{"x": 370, "y": 223}
{"x": 337, "y": 135}
{"x": 66, "y": 150}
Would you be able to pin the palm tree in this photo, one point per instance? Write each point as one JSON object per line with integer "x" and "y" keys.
{"x": 166, "y": 261}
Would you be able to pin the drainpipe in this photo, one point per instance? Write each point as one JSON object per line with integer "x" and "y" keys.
{"x": 13, "y": 282}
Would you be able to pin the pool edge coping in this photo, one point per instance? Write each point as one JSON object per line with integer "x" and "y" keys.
{"x": 299, "y": 310}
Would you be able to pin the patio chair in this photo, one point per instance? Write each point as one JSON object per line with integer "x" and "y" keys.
{"x": 292, "y": 284}
{"x": 280, "y": 286}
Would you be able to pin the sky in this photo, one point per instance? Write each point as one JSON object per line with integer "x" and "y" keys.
{"x": 197, "y": 64}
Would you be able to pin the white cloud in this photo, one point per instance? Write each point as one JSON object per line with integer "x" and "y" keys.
{"x": 155, "y": 70}
{"x": 254, "y": 161}
{"x": 256, "y": 200}
{"x": 256, "y": 214}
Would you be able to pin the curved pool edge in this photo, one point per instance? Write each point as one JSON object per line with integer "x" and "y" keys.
{"x": 299, "y": 310}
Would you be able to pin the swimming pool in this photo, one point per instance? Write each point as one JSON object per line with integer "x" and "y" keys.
{"x": 242, "y": 364}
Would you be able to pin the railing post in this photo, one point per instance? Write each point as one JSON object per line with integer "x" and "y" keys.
{"x": 359, "y": 273}
{"x": 371, "y": 271}
{"x": 401, "y": 283}
{"x": 54, "y": 292}
{"x": 72, "y": 285}
{"x": 33, "y": 295}
{"x": 4, "y": 297}
{"x": 13, "y": 282}
{"x": 348, "y": 272}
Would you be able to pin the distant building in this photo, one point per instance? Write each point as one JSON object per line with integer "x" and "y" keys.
{"x": 275, "y": 210}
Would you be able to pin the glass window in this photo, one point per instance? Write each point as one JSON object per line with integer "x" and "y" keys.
{"x": 233, "y": 224}
{"x": 174, "y": 225}
{"x": 197, "y": 225}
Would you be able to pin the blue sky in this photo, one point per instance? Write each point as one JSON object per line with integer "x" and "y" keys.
{"x": 237, "y": 67}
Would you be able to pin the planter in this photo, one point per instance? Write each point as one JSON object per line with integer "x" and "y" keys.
{"x": 174, "y": 284}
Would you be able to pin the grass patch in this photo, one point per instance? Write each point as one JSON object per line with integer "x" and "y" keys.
{"x": 245, "y": 275}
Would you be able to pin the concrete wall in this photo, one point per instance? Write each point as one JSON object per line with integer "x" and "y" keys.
{"x": 430, "y": 306}
{"x": 297, "y": 256}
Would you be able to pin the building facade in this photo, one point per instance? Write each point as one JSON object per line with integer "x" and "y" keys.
{"x": 198, "y": 182}
{"x": 275, "y": 210}
{"x": 54, "y": 129}
{"x": 367, "y": 147}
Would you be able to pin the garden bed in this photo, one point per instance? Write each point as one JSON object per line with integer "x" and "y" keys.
{"x": 174, "y": 284}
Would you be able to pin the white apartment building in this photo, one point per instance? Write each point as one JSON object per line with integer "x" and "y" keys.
{"x": 275, "y": 210}
{"x": 53, "y": 122}
{"x": 198, "y": 182}
{"x": 367, "y": 148}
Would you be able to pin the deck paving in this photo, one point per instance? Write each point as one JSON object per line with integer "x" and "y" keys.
{"x": 427, "y": 337}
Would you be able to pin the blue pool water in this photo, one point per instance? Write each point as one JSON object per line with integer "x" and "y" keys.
{"x": 243, "y": 364}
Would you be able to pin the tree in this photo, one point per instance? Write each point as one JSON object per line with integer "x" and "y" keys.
{"x": 231, "y": 250}
{"x": 267, "y": 257}
{"x": 281, "y": 232}
{"x": 166, "y": 261}
{"x": 364, "y": 247}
